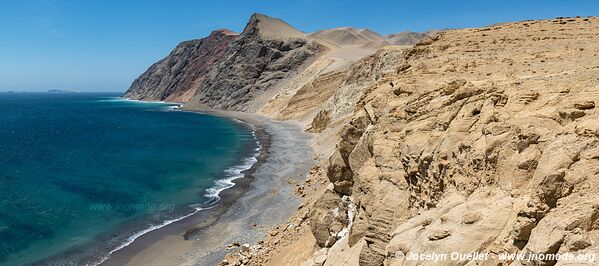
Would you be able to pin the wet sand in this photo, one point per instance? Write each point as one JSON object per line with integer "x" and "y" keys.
{"x": 246, "y": 211}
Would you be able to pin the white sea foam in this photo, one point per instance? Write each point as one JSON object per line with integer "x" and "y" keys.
{"x": 136, "y": 235}
{"x": 138, "y": 101}
{"x": 172, "y": 107}
{"x": 121, "y": 99}
{"x": 233, "y": 173}
{"x": 213, "y": 194}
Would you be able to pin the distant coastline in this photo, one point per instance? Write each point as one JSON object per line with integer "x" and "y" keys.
{"x": 63, "y": 91}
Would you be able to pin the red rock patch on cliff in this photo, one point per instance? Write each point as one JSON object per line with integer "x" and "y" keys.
{"x": 178, "y": 76}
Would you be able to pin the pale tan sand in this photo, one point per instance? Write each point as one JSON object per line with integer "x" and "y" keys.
{"x": 278, "y": 28}
{"x": 345, "y": 36}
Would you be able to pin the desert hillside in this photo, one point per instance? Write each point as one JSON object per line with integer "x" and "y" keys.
{"x": 266, "y": 54}
{"x": 475, "y": 140}
{"x": 347, "y": 36}
{"x": 471, "y": 140}
{"x": 258, "y": 69}
{"x": 406, "y": 37}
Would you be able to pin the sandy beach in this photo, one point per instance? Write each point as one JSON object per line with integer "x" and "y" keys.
{"x": 260, "y": 200}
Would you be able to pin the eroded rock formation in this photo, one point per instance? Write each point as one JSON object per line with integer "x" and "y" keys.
{"x": 479, "y": 140}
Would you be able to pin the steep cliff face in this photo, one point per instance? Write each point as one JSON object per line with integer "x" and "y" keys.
{"x": 360, "y": 77}
{"x": 179, "y": 75}
{"x": 267, "y": 52}
{"x": 480, "y": 140}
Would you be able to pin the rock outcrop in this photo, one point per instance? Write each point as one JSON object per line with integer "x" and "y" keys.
{"x": 267, "y": 53}
{"x": 178, "y": 76}
{"x": 243, "y": 72}
{"x": 361, "y": 76}
{"x": 475, "y": 140}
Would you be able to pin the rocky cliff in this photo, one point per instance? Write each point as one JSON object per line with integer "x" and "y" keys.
{"x": 482, "y": 140}
{"x": 475, "y": 140}
{"x": 267, "y": 53}
{"x": 178, "y": 76}
{"x": 243, "y": 72}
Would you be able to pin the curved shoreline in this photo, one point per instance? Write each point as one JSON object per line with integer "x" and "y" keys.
{"x": 196, "y": 238}
{"x": 224, "y": 191}
{"x": 238, "y": 171}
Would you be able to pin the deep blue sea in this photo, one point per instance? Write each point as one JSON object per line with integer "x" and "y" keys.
{"x": 82, "y": 174}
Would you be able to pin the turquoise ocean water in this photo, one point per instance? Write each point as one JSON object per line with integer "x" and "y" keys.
{"x": 92, "y": 170}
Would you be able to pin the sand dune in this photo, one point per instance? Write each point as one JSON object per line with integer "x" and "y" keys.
{"x": 274, "y": 27}
{"x": 376, "y": 44}
{"x": 365, "y": 38}
{"x": 345, "y": 36}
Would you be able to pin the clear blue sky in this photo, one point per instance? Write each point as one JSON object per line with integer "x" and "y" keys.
{"x": 95, "y": 45}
